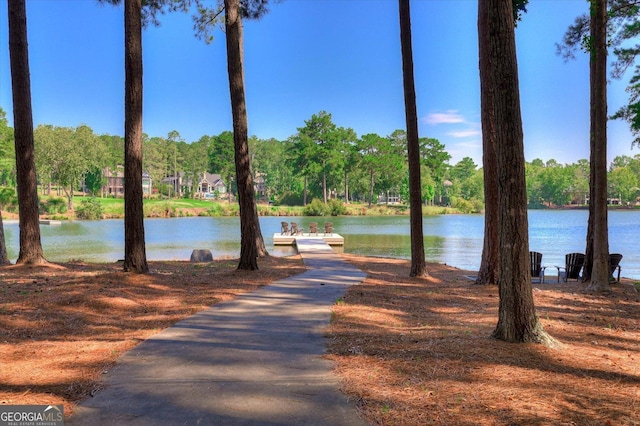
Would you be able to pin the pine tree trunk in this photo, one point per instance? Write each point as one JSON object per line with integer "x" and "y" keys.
{"x": 490, "y": 263}
{"x": 588, "y": 260}
{"x": 251, "y": 241}
{"x": 600, "y": 271}
{"x": 135, "y": 258}
{"x": 29, "y": 220}
{"x": 418, "y": 263}
{"x": 517, "y": 320}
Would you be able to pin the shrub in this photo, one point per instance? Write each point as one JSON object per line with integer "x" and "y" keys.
{"x": 8, "y": 199}
{"x": 464, "y": 206}
{"x": 53, "y": 206}
{"x": 478, "y": 205}
{"x": 89, "y": 209}
{"x": 336, "y": 208}
{"x": 223, "y": 209}
{"x": 315, "y": 208}
{"x": 290, "y": 199}
{"x": 163, "y": 209}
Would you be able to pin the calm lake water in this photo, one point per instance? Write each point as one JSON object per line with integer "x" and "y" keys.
{"x": 452, "y": 239}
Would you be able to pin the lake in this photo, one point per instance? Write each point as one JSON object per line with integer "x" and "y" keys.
{"x": 452, "y": 239}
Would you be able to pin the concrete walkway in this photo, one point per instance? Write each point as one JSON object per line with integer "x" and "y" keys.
{"x": 255, "y": 360}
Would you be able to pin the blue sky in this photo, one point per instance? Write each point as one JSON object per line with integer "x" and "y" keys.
{"x": 305, "y": 56}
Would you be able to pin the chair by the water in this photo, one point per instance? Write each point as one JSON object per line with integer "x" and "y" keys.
{"x": 284, "y": 228}
{"x": 614, "y": 264}
{"x": 328, "y": 228}
{"x": 537, "y": 270}
{"x": 295, "y": 230}
{"x": 313, "y": 228}
{"x": 573, "y": 263}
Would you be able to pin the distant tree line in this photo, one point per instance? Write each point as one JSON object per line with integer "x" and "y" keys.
{"x": 322, "y": 160}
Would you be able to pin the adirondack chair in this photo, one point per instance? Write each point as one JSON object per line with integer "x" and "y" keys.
{"x": 573, "y": 263}
{"x": 295, "y": 230}
{"x": 537, "y": 270}
{"x": 284, "y": 228}
{"x": 313, "y": 228}
{"x": 614, "y": 263}
{"x": 328, "y": 228}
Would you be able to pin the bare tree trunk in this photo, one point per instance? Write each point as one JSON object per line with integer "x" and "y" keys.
{"x": 69, "y": 194}
{"x": 598, "y": 70}
{"x": 371, "y": 182}
{"x": 517, "y": 319}
{"x": 135, "y": 258}
{"x": 346, "y": 188}
{"x": 304, "y": 192}
{"x": 490, "y": 263}
{"x": 29, "y": 220}
{"x": 324, "y": 185}
{"x": 251, "y": 241}
{"x": 418, "y": 263}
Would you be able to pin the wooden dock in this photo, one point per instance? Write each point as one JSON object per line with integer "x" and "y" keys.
{"x": 289, "y": 240}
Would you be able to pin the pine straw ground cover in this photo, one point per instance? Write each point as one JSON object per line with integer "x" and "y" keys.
{"x": 62, "y": 326}
{"x": 417, "y": 351}
{"x": 410, "y": 350}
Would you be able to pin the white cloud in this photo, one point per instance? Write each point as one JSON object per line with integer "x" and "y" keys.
{"x": 465, "y": 133}
{"x": 447, "y": 117}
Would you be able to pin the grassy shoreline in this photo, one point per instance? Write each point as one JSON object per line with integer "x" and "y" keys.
{"x": 113, "y": 208}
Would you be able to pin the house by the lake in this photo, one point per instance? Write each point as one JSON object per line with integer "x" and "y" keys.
{"x": 208, "y": 186}
{"x": 114, "y": 182}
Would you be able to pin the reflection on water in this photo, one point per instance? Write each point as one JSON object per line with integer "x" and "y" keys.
{"x": 384, "y": 245}
{"x": 452, "y": 239}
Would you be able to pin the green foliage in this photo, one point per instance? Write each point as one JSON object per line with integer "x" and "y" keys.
{"x": 435, "y": 164}
{"x": 268, "y": 161}
{"x": 7, "y": 197}
{"x": 315, "y": 208}
{"x": 223, "y": 210}
{"x": 464, "y": 206}
{"x": 384, "y": 210}
{"x": 111, "y": 207}
{"x": 65, "y": 155}
{"x": 163, "y": 209}
{"x": 622, "y": 40}
{"x": 373, "y": 166}
{"x": 53, "y": 206}
{"x": 94, "y": 181}
{"x": 321, "y": 151}
{"x": 336, "y": 208}
{"x": 290, "y": 199}
{"x": 221, "y": 155}
{"x": 7, "y": 152}
{"x": 89, "y": 209}
{"x": 631, "y": 112}
{"x": 436, "y": 210}
{"x": 623, "y": 184}
{"x": 318, "y": 208}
